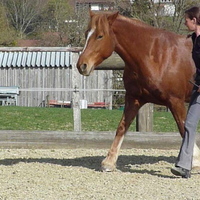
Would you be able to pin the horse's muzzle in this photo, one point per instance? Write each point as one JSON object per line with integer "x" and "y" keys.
{"x": 84, "y": 69}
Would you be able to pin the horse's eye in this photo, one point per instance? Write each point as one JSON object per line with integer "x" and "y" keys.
{"x": 99, "y": 37}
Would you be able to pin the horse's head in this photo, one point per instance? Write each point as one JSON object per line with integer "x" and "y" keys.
{"x": 99, "y": 42}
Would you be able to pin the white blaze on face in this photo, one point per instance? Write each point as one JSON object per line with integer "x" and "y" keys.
{"x": 88, "y": 37}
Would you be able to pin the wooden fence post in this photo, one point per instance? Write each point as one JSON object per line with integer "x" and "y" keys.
{"x": 144, "y": 120}
{"x": 76, "y": 93}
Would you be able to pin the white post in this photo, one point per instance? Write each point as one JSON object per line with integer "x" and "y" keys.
{"x": 76, "y": 93}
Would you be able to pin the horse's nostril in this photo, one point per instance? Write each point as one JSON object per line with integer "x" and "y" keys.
{"x": 84, "y": 66}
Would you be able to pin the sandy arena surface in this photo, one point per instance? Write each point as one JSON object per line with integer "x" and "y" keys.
{"x": 74, "y": 174}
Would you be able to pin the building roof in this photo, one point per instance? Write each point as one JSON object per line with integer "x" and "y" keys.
{"x": 35, "y": 57}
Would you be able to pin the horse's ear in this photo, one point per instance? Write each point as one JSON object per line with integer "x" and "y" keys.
{"x": 112, "y": 17}
{"x": 91, "y": 13}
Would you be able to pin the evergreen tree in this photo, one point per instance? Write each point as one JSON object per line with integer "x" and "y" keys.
{"x": 7, "y": 34}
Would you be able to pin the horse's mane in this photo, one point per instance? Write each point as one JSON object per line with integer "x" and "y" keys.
{"x": 101, "y": 18}
{"x": 135, "y": 21}
{"x": 142, "y": 24}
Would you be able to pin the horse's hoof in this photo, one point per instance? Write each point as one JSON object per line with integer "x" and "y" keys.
{"x": 107, "y": 168}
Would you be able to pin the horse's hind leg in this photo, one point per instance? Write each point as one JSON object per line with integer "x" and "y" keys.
{"x": 131, "y": 108}
{"x": 179, "y": 112}
{"x": 196, "y": 157}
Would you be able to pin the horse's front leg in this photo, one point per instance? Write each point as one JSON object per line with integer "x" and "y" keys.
{"x": 131, "y": 108}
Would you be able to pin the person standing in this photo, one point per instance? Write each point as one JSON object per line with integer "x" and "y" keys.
{"x": 183, "y": 164}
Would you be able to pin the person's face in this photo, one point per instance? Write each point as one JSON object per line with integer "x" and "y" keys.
{"x": 190, "y": 23}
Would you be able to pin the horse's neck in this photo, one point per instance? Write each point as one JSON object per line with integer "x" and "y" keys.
{"x": 129, "y": 35}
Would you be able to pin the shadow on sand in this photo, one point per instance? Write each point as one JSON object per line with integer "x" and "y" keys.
{"x": 94, "y": 162}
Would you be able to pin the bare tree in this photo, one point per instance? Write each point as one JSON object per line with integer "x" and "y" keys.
{"x": 58, "y": 12}
{"x": 23, "y": 14}
{"x": 180, "y": 6}
{"x": 76, "y": 29}
{"x": 167, "y": 15}
{"x": 65, "y": 24}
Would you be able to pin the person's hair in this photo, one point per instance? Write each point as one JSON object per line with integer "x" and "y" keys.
{"x": 194, "y": 12}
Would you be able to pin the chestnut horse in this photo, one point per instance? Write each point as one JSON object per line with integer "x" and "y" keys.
{"x": 158, "y": 67}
